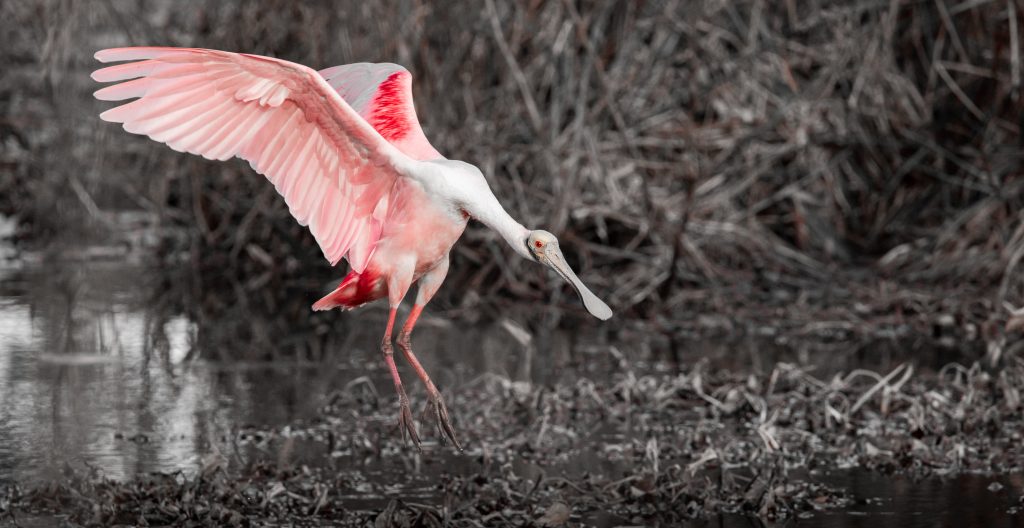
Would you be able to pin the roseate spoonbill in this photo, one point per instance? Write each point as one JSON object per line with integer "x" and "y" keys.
{"x": 344, "y": 148}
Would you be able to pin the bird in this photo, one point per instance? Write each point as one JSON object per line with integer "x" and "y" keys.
{"x": 344, "y": 147}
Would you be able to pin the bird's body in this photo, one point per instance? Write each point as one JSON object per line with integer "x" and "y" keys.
{"x": 414, "y": 242}
{"x": 345, "y": 149}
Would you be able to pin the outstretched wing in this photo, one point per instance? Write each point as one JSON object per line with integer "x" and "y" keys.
{"x": 333, "y": 169}
{"x": 382, "y": 94}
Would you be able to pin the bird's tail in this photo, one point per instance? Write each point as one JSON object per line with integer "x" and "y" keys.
{"x": 355, "y": 290}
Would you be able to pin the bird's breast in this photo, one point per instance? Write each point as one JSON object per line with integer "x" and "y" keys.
{"x": 420, "y": 228}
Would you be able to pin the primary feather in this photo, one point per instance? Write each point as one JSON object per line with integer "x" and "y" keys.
{"x": 332, "y": 167}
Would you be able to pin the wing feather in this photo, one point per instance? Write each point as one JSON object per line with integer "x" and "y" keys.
{"x": 326, "y": 158}
{"x": 382, "y": 94}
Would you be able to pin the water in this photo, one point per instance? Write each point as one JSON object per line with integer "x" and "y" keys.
{"x": 900, "y": 502}
{"x": 96, "y": 370}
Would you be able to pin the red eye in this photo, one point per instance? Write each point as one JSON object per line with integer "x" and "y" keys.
{"x": 538, "y": 244}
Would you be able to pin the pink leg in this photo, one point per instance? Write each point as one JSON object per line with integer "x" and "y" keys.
{"x": 405, "y": 423}
{"x": 444, "y": 424}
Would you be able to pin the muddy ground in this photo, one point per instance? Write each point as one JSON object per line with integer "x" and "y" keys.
{"x": 645, "y": 448}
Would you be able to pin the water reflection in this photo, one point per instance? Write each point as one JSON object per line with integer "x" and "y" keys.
{"x": 90, "y": 376}
{"x": 102, "y": 364}
{"x": 100, "y": 368}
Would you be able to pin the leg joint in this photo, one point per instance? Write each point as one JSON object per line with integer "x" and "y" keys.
{"x": 405, "y": 341}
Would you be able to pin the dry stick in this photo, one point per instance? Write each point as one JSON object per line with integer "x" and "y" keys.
{"x": 87, "y": 202}
{"x": 941, "y": 70}
{"x": 612, "y": 105}
{"x": 1011, "y": 12}
{"x": 903, "y": 380}
{"x": 517, "y": 72}
{"x": 970, "y": 4}
{"x": 1017, "y": 243}
{"x": 878, "y": 386}
{"x": 241, "y": 234}
{"x": 951, "y": 28}
{"x": 964, "y": 67}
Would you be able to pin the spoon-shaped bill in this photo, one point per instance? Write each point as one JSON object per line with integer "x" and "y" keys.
{"x": 595, "y": 306}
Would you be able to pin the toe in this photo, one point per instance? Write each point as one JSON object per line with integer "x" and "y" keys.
{"x": 444, "y": 423}
{"x": 405, "y": 422}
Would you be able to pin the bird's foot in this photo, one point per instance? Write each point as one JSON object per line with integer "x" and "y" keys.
{"x": 436, "y": 407}
{"x": 405, "y": 422}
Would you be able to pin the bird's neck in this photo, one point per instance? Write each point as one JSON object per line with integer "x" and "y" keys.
{"x": 490, "y": 212}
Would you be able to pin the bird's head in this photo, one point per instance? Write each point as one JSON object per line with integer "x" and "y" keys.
{"x": 543, "y": 246}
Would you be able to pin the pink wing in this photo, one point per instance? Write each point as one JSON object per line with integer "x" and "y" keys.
{"x": 333, "y": 169}
{"x": 382, "y": 94}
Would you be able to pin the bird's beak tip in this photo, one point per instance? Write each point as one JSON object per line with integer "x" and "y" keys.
{"x": 597, "y": 307}
{"x": 591, "y": 302}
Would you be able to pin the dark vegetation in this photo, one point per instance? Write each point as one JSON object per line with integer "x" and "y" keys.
{"x": 807, "y": 156}
{"x": 639, "y": 450}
